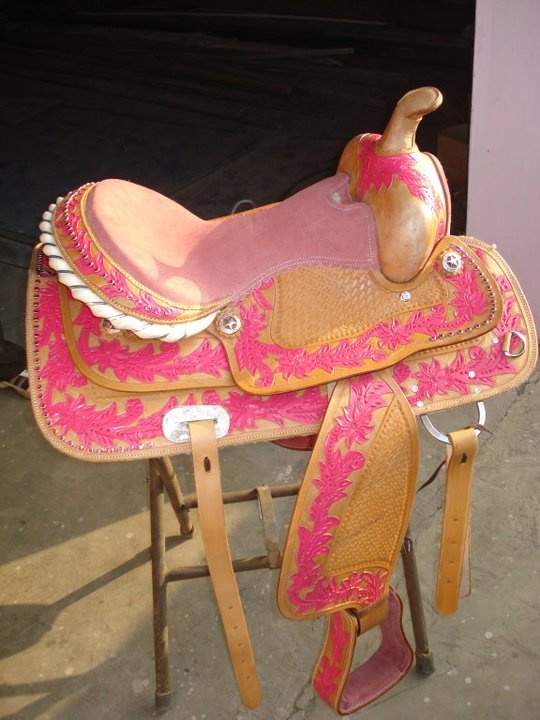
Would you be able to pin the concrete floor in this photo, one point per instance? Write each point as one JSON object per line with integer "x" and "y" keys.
{"x": 75, "y": 592}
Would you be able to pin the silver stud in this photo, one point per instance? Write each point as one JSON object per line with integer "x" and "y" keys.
{"x": 420, "y": 403}
{"x": 451, "y": 262}
{"x": 472, "y": 374}
{"x": 495, "y": 340}
{"x": 229, "y": 323}
{"x": 405, "y": 296}
{"x": 414, "y": 389}
{"x": 477, "y": 390}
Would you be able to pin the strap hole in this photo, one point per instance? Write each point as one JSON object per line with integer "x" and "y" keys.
{"x": 207, "y": 464}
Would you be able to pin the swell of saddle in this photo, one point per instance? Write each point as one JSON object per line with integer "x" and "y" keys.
{"x": 405, "y": 188}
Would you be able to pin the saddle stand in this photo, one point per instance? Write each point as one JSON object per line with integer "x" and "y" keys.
{"x": 330, "y": 321}
{"x": 163, "y": 482}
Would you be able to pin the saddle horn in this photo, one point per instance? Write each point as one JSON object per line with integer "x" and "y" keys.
{"x": 405, "y": 188}
{"x": 399, "y": 135}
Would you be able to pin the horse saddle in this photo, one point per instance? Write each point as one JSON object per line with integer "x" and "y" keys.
{"x": 339, "y": 315}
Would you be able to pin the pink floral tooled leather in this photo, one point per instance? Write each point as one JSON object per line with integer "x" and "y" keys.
{"x": 92, "y": 422}
{"x": 405, "y": 188}
{"x": 477, "y": 369}
{"x": 332, "y": 668}
{"x": 471, "y": 308}
{"x": 311, "y": 589}
{"x": 121, "y": 361}
{"x": 379, "y": 172}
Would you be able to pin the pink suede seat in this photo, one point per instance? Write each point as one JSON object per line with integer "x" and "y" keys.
{"x": 193, "y": 262}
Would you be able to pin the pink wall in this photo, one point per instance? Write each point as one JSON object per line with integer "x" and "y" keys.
{"x": 504, "y": 160}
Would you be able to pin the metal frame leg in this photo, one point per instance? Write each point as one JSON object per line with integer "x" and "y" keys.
{"x": 423, "y": 654}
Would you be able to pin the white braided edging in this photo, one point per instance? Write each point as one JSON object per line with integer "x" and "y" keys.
{"x": 120, "y": 321}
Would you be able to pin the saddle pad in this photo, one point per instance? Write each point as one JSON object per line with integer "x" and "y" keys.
{"x": 81, "y": 416}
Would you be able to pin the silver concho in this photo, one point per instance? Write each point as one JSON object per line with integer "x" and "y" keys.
{"x": 451, "y": 262}
{"x": 229, "y": 323}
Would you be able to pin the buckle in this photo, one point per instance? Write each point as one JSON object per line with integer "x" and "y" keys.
{"x": 175, "y": 423}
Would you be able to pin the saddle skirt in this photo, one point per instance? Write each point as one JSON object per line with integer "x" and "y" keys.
{"x": 144, "y": 321}
{"x": 101, "y": 394}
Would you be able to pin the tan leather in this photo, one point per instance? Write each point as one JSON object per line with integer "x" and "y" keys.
{"x": 456, "y": 518}
{"x": 375, "y": 507}
{"x": 216, "y": 544}
{"x": 407, "y": 227}
{"x": 319, "y": 305}
{"x": 400, "y": 134}
{"x": 378, "y": 301}
{"x": 371, "y": 617}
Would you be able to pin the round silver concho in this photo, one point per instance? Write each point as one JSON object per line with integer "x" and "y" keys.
{"x": 229, "y": 323}
{"x": 451, "y": 262}
{"x": 405, "y": 296}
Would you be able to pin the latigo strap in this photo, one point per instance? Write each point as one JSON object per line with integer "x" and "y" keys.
{"x": 214, "y": 535}
{"x": 455, "y": 539}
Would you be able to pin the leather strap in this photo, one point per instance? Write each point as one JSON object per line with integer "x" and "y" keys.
{"x": 347, "y": 691}
{"x": 218, "y": 557}
{"x": 455, "y": 541}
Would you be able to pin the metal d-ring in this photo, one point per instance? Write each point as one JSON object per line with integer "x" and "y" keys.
{"x": 443, "y": 437}
{"x": 508, "y": 340}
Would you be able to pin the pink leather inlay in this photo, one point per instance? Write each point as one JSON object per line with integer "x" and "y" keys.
{"x": 190, "y": 261}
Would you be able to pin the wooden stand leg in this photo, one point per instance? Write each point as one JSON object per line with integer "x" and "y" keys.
{"x": 159, "y": 587}
{"x": 165, "y": 468}
{"x": 423, "y": 654}
{"x": 162, "y": 478}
